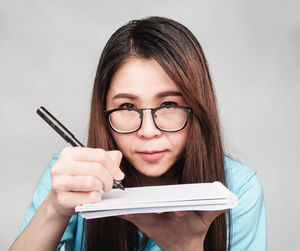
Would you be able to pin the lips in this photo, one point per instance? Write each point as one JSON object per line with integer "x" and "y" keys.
{"x": 151, "y": 155}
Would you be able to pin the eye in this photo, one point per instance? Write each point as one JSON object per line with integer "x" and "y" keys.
{"x": 127, "y": 106}
{"x": 169, "y": 103}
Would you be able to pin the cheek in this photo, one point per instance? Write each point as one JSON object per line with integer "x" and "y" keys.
{"x": 122, "y": 141}
{"x": 180, "y": 144}
{"x": 180, "y": 138}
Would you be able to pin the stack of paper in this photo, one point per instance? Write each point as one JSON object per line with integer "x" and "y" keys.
{"x": 170, "y": 198}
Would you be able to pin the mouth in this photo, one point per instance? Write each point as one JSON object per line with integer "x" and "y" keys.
{"x": 151, "y": 156}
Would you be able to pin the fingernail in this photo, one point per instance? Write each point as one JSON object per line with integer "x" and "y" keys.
{"x": 180, "y": 214}
{"x": 119, "y": 176}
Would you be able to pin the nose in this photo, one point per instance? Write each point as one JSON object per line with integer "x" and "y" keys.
{"x": 148, "y": 128}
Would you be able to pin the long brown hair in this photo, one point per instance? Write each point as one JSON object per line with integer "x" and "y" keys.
{"x": 180, "y": 55}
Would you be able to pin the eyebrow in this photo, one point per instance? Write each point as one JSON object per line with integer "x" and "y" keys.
{"x": 125, "y": 95}
{"x": 169, "y": 93}
{"x": 159, "y": 95}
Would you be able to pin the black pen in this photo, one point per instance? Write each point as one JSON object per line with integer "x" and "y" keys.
{"x": 66, "y": 134}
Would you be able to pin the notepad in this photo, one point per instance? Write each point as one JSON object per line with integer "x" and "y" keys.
{"x": 153, "y": 199}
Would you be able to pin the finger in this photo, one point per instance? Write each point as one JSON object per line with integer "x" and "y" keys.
{"x": 210, "y": 216}
{"x": 76, "y": 183}
{"x": 116, "y": 157}
{"x": 122, "y": 217}
{"x": 72, "y": 199}
{"x": 177, "y": 215}
{"x": 94, "y": 155}
{"x": 87, "y": 169}
{"x": 180, "y": 214}
{"x": 213, "y": 214}
{"x": 145, "y": 220}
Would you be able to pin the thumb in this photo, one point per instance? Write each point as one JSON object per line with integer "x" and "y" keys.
{"x": 116, "y": 157}
{"x": 210, "y": 216}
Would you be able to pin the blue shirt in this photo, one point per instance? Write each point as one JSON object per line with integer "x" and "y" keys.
{"x": 248, "y": 217}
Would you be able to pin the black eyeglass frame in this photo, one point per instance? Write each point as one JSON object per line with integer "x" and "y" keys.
{"x": 153, "y": 111}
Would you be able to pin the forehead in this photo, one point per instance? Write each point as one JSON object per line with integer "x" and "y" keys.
{"x": 143, "y": 78}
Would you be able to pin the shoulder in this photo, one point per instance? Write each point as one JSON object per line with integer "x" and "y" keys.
{"x": 244, "y": 183}
{"x": 239, "y": 177}
{"x": 248, "y": 217}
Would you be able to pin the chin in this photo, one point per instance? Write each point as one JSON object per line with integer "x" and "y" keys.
{"x": 152, "y": 174}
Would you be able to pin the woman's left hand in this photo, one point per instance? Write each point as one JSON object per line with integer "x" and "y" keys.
{"x": 183, "y": 230}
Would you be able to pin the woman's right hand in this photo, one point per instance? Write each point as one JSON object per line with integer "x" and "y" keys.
{"x": 79, "y": 175}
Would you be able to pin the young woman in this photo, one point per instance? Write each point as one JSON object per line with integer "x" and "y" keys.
{"x": 153, "y": 121}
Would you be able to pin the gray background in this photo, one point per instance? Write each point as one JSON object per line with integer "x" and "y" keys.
{"x": 48, "y": 56}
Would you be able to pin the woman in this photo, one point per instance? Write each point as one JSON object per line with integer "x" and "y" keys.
{"x": 153, "y": 121}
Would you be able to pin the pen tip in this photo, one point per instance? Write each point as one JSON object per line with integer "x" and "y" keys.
{"x": 118, "y": 184}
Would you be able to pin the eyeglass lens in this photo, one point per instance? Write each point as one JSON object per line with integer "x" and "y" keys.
{"x": 168, "y": 119}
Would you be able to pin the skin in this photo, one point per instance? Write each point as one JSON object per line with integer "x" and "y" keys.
{"x": 77, "y": 178}
{"x": 144, "y": 84}
{"x": 79, "y": 174}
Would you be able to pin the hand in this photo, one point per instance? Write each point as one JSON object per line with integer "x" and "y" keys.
{"x": 183, "y": 230}
{"x": 79, "y": 175}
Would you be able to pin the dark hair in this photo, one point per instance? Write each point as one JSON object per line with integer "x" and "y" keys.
{"x": 180, "y": 55}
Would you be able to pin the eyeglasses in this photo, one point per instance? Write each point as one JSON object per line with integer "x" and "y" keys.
{"x": 167, "y": 118}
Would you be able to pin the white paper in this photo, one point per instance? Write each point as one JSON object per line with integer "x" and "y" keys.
{"x": 182, "y": 197}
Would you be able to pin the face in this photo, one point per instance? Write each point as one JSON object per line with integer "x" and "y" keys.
{"x": 144, "y": 84}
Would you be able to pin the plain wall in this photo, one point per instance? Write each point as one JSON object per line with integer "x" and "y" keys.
{"x": 49, "y": 52}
